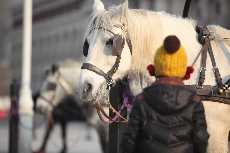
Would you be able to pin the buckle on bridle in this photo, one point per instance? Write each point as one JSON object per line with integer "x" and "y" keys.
{"x": 109, "y": 83}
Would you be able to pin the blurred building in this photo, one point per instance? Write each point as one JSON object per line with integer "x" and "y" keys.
{"x": 205, "y": 11}
{"x": 212, "y": 11}
{"x": 5, "y": 47}
{"x": 58, "y": 28}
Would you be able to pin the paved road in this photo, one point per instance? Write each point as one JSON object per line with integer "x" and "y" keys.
{"x": 81, "y": 139}
{"x": 4, "y": 136}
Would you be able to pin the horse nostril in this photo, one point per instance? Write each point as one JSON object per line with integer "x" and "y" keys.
{"x": 87, "y": 88}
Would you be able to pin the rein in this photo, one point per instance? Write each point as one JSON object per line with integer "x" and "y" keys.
{"x": 127, "y": 104}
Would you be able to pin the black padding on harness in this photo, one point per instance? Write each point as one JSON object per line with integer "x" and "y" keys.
{"x": 186, "y": 8}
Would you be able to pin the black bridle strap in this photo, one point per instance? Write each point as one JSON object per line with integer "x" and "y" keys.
{"x": 108, "y": 75}
{"x": 127, "y": 37}
{"x": 115, "y": 66}
{"x": 96, "y": 70}
{"x": 50, "y": 102}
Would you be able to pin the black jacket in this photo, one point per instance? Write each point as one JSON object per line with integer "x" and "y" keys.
{"x": 166, "y": 119}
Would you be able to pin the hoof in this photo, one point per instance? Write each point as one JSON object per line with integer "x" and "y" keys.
{"x": 63, "y": 150}
{"x": 88, "y": 137}
{"x": 39, "y": 151}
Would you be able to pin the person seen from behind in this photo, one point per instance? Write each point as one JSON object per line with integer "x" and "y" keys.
{"x": 167, "y": 117}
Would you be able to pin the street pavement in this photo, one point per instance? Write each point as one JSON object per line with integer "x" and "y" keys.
{"x": 4, "y": 136}
{"x": 80, "y": 138}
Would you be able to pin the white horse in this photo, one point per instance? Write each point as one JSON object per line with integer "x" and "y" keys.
{"x": 57, "y": 99}
{"x": 146, "y": 31}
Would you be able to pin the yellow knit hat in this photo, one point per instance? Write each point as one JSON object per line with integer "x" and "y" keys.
{"x": 171, "y": 59}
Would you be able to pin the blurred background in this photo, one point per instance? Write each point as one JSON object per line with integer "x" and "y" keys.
{"x": 58, "y": 29}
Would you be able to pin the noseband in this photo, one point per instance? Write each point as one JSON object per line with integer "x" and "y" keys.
{"x": 112, "y": 71}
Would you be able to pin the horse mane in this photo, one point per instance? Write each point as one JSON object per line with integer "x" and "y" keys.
{"x": 146, "y": 26}
{"x": 103, "y": 19}
{"x": 140, "y": 25}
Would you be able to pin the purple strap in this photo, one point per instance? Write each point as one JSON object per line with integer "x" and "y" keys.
{"x": 126, "y": 104}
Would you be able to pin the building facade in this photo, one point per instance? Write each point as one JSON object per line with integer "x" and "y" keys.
{"x": 5, "y": 47}
{"x": 58, "y": 29}
{"x": 204, "y": 11}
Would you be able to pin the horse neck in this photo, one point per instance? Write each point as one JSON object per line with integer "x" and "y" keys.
{"x": 138, "y": 81}
{"x": 144, "y": 28}
{"x": 69, "y": 79}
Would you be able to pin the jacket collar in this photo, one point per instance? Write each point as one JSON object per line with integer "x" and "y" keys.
{"x": 169, "y": 80}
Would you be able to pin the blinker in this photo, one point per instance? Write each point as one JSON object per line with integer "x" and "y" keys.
{"x": 118, "y": 44}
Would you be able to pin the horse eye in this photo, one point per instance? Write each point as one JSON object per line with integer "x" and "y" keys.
{"x": 51, "y": 86}
{"x": 85, "y": 48}
{"x": 109, "y": 43}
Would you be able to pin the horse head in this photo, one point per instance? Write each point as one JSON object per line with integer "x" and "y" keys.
{"x": 59, "y": 82}
{"x": 107, "y": 50}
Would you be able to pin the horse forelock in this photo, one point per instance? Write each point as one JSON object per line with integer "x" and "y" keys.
{"x": 105, "y": 19}
{"x": 100, "y": 20}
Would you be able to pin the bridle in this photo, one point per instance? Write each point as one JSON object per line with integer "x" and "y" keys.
{"x": 108, "y": 75}
{"x": 64, "y": 85}
{"x": 118, "y": 118}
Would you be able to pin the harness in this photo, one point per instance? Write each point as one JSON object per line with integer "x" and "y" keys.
{"x": 220, "y": 92}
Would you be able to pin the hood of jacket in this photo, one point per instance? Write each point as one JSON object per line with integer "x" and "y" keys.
{"x": 167, "y": 99}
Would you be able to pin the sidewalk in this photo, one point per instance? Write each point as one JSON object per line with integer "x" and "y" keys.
{"x": 4, "y": 133}
{"x": 80, "y": 139}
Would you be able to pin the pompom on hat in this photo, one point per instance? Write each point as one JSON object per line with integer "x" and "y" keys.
{"x": 170, "y": 60}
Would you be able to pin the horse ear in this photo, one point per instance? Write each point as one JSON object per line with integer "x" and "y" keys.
{"x": 98, "y": 6}
{"x": 46, "y": 73}
{"x": 125, "y": 7}
{"x": 54, "y": 68}
{"x": 124, "y": 10}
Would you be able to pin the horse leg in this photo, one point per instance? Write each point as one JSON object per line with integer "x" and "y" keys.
{"x": 218, "y": 140}
{"x": 218, "y": 128}
{"x": 47, "y": 135}
{"x": 103, "y": 135}
{"x": 63, "y": 129}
